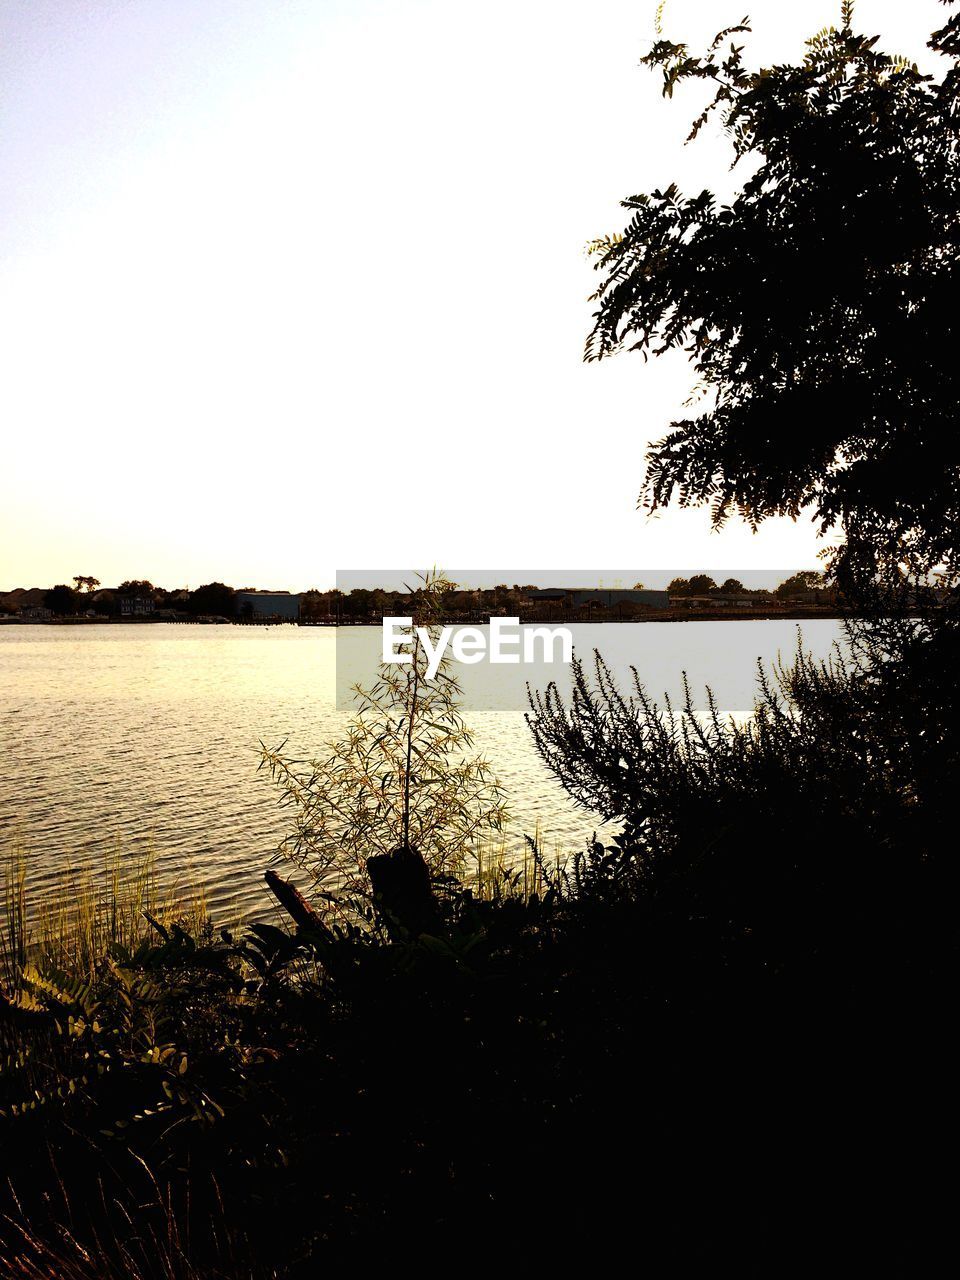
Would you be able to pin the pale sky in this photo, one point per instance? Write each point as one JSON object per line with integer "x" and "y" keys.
{"x": 296, "y": 285}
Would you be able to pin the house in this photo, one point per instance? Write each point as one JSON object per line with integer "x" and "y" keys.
{"x": 600, "y": 597}
{"x": 273, "y": 606}
{"x": 135, "y": 606}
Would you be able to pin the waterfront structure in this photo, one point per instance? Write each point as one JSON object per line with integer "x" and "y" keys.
{"x": 724, "y": 600}
{"x": 600, "y": 597}
{"x": 268, "y": 606}
{"x": 135, "y": 606}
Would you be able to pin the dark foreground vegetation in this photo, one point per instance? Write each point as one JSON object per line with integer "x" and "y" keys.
{"x": 719, "y": 1035}
{"x": 716, "y": 1042}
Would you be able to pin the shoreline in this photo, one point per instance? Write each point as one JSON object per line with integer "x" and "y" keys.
{"x": 456, "y": 620}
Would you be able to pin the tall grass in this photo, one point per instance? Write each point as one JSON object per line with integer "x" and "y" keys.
{"x": 87, "y": 911}
{"x": 13, "y": 935}
{"x": 499, "y": 869}
{"x": 69, "y": 925}
{"x": 140, "y": 1248}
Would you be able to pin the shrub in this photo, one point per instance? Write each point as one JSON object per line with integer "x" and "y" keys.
{"x": 821, "y": 825}
{"x": 403, "y": 776}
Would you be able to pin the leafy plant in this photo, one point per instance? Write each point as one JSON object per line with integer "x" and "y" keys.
{"x": 403, "y": 776}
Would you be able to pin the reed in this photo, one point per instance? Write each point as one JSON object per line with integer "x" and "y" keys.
{"x": 502, "y": 869}
{"x": 88, "y": 910}
{"x": 150, "y": 1240}
{"x": 13, "y": 935}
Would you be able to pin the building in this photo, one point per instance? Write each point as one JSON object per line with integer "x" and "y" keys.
{"x": 135, "y": 606}
{"x": 549, "y": 595}
{"x": 268, "y": 606}
{"x": 720, "y": 600}
{"x": 808, "y": 597}
{"x": 610, "y": 598}
{"x": 600, "y": 597}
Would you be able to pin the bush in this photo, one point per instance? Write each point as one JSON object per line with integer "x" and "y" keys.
{"x": 821, "y": 827}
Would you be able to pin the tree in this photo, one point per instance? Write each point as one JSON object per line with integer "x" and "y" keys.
{"x": 357, "y": 604}
{"x": 818, "y": 307}
{"x": 805, "y": 580}
{"x": 402, "y": 778}
{"x": 86, "y": 584}
{"x": 213, "y": 598}
{"x": 733, "y": 587}
{"x": 638, "y": 586}
{"x": 699, "y": 584}
{"x": 107, "y": 602}
{"x": 314, "y": 604}
{"x": 62, "y": 600}
{"x": 136, "y": 587}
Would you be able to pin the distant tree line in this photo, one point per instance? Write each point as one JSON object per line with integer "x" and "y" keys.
{"x": 701, "y": 584}
{"x": 211, "y": 599}
{"x": 217, "y": 599}
{"x": 363, "y": 602}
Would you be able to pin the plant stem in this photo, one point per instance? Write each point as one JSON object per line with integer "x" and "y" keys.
{"x": 411, "y": 714}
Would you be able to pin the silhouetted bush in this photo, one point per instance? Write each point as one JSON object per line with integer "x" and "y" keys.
{"x": 821, "y": 827}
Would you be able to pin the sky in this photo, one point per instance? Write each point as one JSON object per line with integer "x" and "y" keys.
{"x": 287, "y": 287}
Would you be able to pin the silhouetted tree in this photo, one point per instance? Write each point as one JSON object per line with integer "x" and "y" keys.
{"x": 62, "y": 600}
{"x": 314, "y": 604}
{"x": 698, "y": 584}
{"x": 805, "y": 580}
{"x": 106, "y": 603}
{"x": 818, "y": 306}
{"x": 358, "y": 602}
{"x": 213, "y": 598}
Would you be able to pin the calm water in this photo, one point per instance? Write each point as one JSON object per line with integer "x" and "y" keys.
{"x": 145, "y": 737}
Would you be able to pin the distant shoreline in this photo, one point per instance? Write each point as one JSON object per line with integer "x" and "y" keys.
{"x": 664, "y": 615}
{"x": 661, "y": 615}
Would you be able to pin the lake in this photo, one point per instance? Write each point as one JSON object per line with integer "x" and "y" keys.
{"x": 143, "y": 738}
